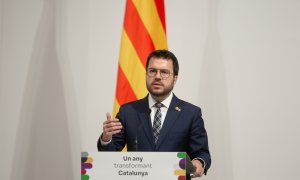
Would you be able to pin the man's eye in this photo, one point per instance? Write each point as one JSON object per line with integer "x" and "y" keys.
{"x": 165, "y": 72}
{"x": 152, "y": 70}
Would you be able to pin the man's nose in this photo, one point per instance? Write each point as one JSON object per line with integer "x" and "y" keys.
{"x": 157, "y": 75}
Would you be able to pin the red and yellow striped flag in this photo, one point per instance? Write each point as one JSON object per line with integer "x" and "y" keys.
{"x": 144, "y": 30}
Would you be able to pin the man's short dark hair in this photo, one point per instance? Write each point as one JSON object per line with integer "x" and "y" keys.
{"x": 164, "y": 54}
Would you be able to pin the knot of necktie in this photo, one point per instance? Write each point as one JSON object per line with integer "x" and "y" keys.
{"x": 159, "y": 105}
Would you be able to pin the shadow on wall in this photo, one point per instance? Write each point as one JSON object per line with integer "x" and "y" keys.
{"x": 214, "y": 97}
{"x": 43, "y": 149}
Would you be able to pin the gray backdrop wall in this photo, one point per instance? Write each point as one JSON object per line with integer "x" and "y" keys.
{"x": 239, "y": 61}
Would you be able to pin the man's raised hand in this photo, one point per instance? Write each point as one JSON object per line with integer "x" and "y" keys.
{"x": 110, "y": 127}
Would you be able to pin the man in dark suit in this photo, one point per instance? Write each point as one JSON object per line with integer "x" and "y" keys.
{"x": 160, "y": 121}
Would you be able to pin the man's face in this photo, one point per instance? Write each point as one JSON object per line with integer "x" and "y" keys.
{"x": 160, "y": 78}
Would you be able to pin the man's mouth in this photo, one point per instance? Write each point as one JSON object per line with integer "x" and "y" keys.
{"x": 156, "y": 84}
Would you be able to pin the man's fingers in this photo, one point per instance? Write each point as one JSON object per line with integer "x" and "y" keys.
{"x": 110, "y": 127}
{"x": 108, "y": 124}
{"x": 112, "y": 132}
{"x": 198, "y": 173}
{"x": 199, "y": 169}
{"x": 115, "y": 132}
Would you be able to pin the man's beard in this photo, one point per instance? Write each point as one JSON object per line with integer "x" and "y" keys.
{"x": 165, "y": 92}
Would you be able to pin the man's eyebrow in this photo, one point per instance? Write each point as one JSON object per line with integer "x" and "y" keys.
{"x": 158, "y": 69}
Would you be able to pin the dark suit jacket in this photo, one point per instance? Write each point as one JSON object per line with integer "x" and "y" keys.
{"x": 183, "y": 130}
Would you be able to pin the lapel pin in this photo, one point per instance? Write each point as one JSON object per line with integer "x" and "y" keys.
{"x": 177, "y": 108}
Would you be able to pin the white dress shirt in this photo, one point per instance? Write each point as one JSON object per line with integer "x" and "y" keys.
{"x": 164, "y": 109}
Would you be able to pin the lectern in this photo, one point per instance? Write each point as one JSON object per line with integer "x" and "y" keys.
{"x": 134, "y": 165}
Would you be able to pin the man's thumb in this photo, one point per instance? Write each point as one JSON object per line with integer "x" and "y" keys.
{"x": 108, "y": 116}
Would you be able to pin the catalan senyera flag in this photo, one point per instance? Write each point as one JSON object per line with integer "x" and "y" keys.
{"x": 144, "y": 30}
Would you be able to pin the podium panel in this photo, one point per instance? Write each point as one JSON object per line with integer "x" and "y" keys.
{"x": 133, "y": 165}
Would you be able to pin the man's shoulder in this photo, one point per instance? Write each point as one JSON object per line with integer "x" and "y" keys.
{"x": 135, "y": 103}
{"x": 186, "y": 104}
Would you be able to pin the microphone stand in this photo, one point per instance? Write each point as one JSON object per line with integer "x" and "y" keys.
{"x": 136, "y": 141}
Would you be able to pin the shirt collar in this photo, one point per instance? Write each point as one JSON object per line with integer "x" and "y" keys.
{"x": 165, "y": 102}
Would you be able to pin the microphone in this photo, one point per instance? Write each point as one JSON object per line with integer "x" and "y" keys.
{"x": 136, "y": 141}
{"x": 190, "y": 168}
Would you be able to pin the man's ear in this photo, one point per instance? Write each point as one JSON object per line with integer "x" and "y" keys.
{"x": 175, "y": 79}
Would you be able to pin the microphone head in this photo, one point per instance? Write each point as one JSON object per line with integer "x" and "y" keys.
{"x": 149, "y": 111}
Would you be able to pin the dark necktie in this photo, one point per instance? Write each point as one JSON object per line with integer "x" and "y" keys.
{"x": 157, "y": 121}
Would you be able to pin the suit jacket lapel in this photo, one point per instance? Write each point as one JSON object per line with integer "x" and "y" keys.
{"x": 171, "y": 117}
{"x": 145, "y": 121}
